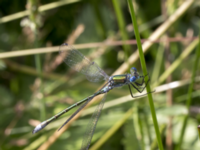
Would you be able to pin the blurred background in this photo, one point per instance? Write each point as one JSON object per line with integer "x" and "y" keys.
{"x": 35, "y": 84}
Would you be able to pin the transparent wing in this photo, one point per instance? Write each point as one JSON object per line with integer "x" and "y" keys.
{"x": 80, "y": 63}
{"x": 92, "y": 125}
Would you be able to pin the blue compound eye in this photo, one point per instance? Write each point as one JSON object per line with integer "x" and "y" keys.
{"x": 133, "y": 69}
{"x": 132, "y": 79}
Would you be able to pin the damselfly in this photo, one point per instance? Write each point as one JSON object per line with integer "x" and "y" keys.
{"x": 93, "y": 73}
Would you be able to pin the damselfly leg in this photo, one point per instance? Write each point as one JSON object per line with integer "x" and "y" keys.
{"x": 137, "y": 88}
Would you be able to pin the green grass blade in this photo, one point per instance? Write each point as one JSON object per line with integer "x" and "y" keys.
{"x": 112, "y": 130}
{"x": 143, "y": 64}
{"x": 42, "y": 8}
{"x": 122, "y": 27}
{"x": 189, "y": 100}
{"x": 176, "y": 63}
{"x": 34, "y": 14}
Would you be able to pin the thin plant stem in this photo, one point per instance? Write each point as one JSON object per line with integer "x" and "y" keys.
{"x": 31, "y": 71}
{"x": 198, "y": 128}
{"x": 138, "y": 126}
{"x": 122, "y": 27}
{"x": 112, "y": 130}
{"x": 156, "y": 34}
{"x": 34, "y": 13}
{"x": 158, "y": 63}
{"x": 84, "y": 46}
{"x": 34, "y": 144}
{"x": 154, "y": 142}
{"x": 40, "y": 9}
{"x": 100, "y": 25}
{"x": 190, "y": 89}
{"x": 147, "y": 125}
{"x": 176, "y": 63}
{"x": 141, "y": 131}
{"x": 143, "y": 64}
{"x": 169, "y": 93}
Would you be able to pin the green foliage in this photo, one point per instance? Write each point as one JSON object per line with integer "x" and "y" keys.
{"x": 28, "y": 94}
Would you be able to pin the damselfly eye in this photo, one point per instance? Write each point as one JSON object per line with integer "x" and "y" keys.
{"x": 133, "y": 69}
{"x": 133, "y": 78}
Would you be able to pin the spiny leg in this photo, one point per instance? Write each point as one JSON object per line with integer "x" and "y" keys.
{"x": 137, "y": 85}
{"x": 139, "y": 90}
{"x": 131, "y": 91}
{"x": 138, "y": 95}
{"x": 140, "y": 84}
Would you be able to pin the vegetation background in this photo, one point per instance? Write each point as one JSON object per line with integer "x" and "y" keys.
{"x": 35, "y": 84}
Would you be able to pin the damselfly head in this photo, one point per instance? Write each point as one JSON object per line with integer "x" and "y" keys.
{"x": 133, "y": 70}
{"x": 134, "y": 74}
